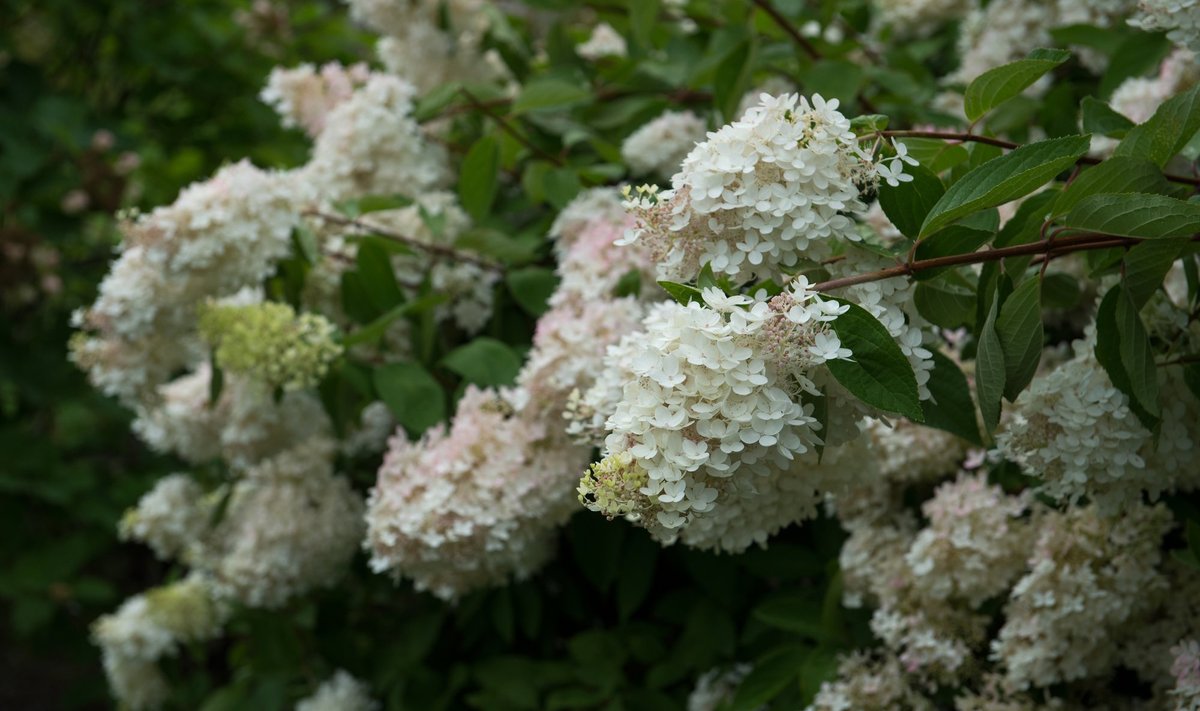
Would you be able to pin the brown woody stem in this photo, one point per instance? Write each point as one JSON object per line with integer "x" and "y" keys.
{"x": 437, "y": 250}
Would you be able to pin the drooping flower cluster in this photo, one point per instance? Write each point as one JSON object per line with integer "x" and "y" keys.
{"x": 150, "y": 627}
{"x": 1180, "y": 19}
{"x": 472, "y": 505}
{"x": 167, "y": 518}
{"x": 773, "y": 188}
{"x": 218, "y": 237}
{"x": 660, "y": 146}
{"x": 712, "y": 406}
{"x": 340, "y": 692}
{"x": 1186, "y": 669}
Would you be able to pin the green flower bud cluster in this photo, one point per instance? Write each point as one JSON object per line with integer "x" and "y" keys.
{"x": 270, "y": 342}
{"x": 611, "y": 486}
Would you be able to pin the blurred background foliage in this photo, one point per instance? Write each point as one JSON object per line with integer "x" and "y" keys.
{"x": 103, "y": 106}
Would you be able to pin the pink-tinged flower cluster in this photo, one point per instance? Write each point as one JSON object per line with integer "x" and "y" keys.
{"x": 304, "y": 96}
{"x": 473, "y": 505}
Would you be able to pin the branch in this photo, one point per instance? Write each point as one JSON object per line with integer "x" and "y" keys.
{"x": 1008, "y": 145}
{"x": 787, "y": 26}
{"x": 1049, "y": 248}
{"x": 808, "y": 47}
{"x": 508, "y": 128}
{"x": 437, "y": 250}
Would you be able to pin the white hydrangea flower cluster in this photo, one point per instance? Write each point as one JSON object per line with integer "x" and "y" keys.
{"x": 372, "y": 146}
{"x": 1073, "y": 429}
{"x": 150, "y": 627}
{"x": 917, "y": 18}
{"x": 603, "y": 42}
{"x": 660, "y": 145}
{"x": 474, "y": 505}
{"x": 1089, "y": 577}
{"x": 303, "y": 96}
{"x": 416, "y": 46}
{"x": 712, "y": 408}
{"x": 974, "y": 545}
{"x": 218, "y": 237}
{"x": 866, "y": 682}
{"x": 1180, "y": 19}
{"x": 286, "y": 526}
{"x": 774, "y": 188}
{"x": 1186, "y": 668}
{"x": 1007, "y": 30}
{"x": 716, "y": 687}
{"x": 290, "y": 525}
{"x": 167, "y": 518}
{"x": 243, "y": 426}
{"x": 912, "y": 453}
{"x": 340, "y": 692}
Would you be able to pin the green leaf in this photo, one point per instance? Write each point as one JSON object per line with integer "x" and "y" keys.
{"x": 550, "y": 93}
{"x": 864, "y": 124}
{"x": 769, "y": 677}
{"x": 990, "y": 371}
{"x": 1121, "y": 174}
{"x": 1005, "y": 179}
{"x": 1147, "y": 264}
{"x": 305, "y": 244}
{"x": 432, "y": 103}
{"x": 1101, "y": 119}
{"x": 643, "y": 14}
{"x": 1002, "y": 83}
{"x": 954, "y": 239}
{"x": 732, "y": 78}
{"x": 907, "y": 204}
{"x": 375, "y": 330}
{"x": 637, "y": 573}
{"x": 1191, "y": 377}
{"x": 682, "y": 293}
{"x": 951, "y": 407}
{"x": 878, "y": 373}
{"x": 416, "y": 400}
{"x": 1168, "y": 130}
{"x": 374, "y": 272}
{"x": 796, "y": 612}
{"x": 377, "y": 203}
{"x": 1135, "y": 215}
{"x": 944, "y": 304}
{"x": 477, "y": 181}
{"x": 1060, "y": 291}
{"x": 1140, "y": 52}
{"x": 484, "y": 361}
{"x": 1021, "y": 333}
{"x": 935, "y": 154}
{"x": 532, "y": 287}
{"x": 1130, "y": 366}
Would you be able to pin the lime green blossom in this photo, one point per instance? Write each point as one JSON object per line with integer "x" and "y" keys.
{"x": 611, "y": 486}
{"x": 270, "y": 342}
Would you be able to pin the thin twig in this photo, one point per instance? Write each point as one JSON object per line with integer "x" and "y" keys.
{"x": 438, "y": 250}
{"x": 1009, "y": 145}
{"x": 1060, "y": 246}
{"x": 808, "y": 47}
{"x": 512, "y": 131}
